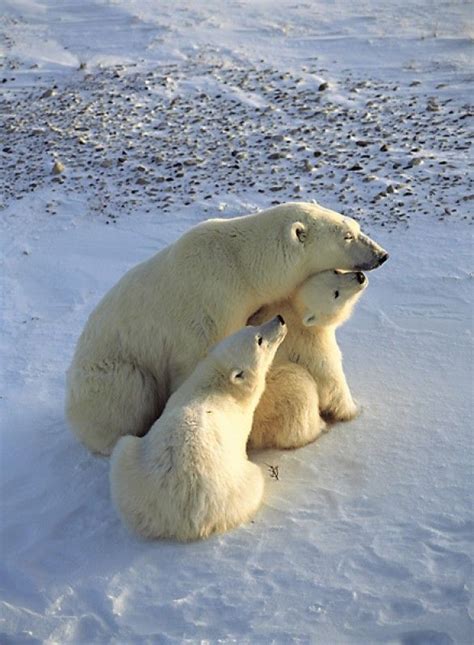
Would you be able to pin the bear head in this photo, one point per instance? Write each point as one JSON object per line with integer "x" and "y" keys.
{"x": 238, "y": 364}
{"x": 327, "y": 298}
{"x": 326, "y": 240}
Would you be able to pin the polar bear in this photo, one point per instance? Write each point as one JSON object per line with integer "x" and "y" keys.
{"x": 152, "y": 328}
{"x": 190, "y": 476}
{"x": 307, "y": 379}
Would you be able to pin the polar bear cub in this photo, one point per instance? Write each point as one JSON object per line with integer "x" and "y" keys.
{"x": 307, "y": 379}
{"x": 189, "y": 476}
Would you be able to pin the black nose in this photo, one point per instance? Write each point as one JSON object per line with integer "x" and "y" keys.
{"x": 280, "y": 318}
{"x": 360, "y": 277}
{"x": 383, "y": 258}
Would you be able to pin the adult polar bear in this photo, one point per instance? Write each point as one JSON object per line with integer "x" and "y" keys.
{"x": 148, "y": 333}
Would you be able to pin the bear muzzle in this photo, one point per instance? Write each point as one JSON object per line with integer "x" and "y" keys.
{"x": 377, "y": 261}
{"x": 274, "y": 330}
{"x": 377, "y": 254}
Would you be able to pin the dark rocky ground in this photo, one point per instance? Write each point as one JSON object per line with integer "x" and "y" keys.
{"x": 206, "y": 130}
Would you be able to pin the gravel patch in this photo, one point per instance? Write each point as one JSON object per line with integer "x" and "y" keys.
{"x": 207, "y": 130}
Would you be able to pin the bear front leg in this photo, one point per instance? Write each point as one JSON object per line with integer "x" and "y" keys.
{"x": 243, "y": 501}
{"x": 335, "y": 398}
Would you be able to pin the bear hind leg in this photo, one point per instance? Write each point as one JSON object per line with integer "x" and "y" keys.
{"x": 287, "y": 415}
{"x": 108, "y": 401}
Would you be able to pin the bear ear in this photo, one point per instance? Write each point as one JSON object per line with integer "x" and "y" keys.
{"x": 298, "y": 232}
{"x": 309, "y": 319}
{"x": 237, "y": 376}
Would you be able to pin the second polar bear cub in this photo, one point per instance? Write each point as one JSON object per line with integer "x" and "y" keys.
{"x": 190, "y": 476}
{"x": 307, "y": 379}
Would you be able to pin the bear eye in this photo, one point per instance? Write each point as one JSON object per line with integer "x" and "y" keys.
{"x": 259, "y": 340}
{"x": 239, "y": 374}
{"x": 348, "y": 236}
{"x": 336, "y": 294}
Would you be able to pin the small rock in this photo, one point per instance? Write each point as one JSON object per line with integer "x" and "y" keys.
{"x": 48, "y": 93}
{"x": 432, "y": 106}
{"x": 58, "y": 168}
{"x": 307, "y": 165}
{"x": 356, "y": 166}
{"x": 323, "y": 86}
{"x": 384, "y": 148}
{"x": 107, "y": 163}
{"x": 142, "y": 181}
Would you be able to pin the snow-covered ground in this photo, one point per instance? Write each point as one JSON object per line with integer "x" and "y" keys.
{"x": 164, "y": 114}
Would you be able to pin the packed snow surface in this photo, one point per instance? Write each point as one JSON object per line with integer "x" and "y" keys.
{"x": 154, "y": 116}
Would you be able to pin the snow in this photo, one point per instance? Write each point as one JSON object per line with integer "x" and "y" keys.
{"x": 367, "y": 534}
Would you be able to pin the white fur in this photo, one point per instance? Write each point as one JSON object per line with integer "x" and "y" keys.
{"x": 149, "y": 332}
{"x": 288, "y": 414}
{"x": 190, "y": 476}
{"x": 307, "y": 378}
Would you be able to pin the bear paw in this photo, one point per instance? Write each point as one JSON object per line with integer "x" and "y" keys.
{"x": 342, "y": 411}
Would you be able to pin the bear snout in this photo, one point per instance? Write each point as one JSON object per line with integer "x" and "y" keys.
{"x": 377, "y": 260}
{"x": 377, "y": 253}
{"x": 275, "y": 328}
